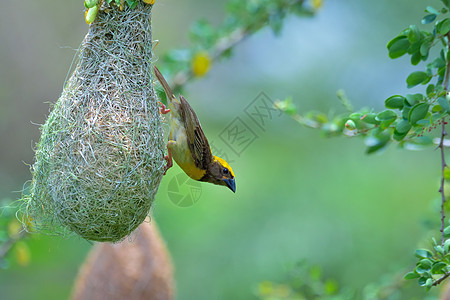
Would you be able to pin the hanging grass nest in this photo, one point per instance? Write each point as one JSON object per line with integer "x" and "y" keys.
{"x": 99, "y": 161}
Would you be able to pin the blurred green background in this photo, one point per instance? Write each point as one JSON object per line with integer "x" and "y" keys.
{"x": 299, "y": 196}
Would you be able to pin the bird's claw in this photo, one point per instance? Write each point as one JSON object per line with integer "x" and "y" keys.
{"x": 163, "y": 109}
{"x": 168, "y": 165}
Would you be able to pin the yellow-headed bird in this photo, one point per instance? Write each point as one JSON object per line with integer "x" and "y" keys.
{"x": 188, "y": 145}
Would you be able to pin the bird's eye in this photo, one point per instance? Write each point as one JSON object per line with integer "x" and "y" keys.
{"x": 225, "y": 171}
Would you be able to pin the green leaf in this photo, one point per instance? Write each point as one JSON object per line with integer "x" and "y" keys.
{"x": 423, "y": 253}
{"x": 413, "y": 99}
{"x": 415, "y": 58}
{"x": 91, "y": 14}
{"x": 90, "y": 3}
{"x": 286, "y": 106}
{"x": 436, "y": 108}
{"x": 447, "y": 231}
{"x": 422, "y": 270}
{"x": 426, "y": 45}
{"x": 446, "y": 2}
{"x": 370, "y": 118}
{"x": 424, "y": 122}
{"x": 432, "y": 10}
{"x": 386, "y": 124}
{"x": 378, "y": 146}
{"x": 422, "y": 281}
{"x": 430, "y": 89}
{"x": 437, "y": 267}
{"x": 203, "y": 33}
{"x": 132, "y": 3}
{"x": 425, "y": 263}
{"x": 386, "y": 115}
{"x": 439, "y": 249}
{"x": 411, "y": 275}
{"x": 422, "y": 141}
{"x": 398, "y": 46}
{"x": 437, "y": 63}
{"x": 443, "y": 102}
{"x": 405, "y": 112}
{"x": 350, "y": 125}
{"x": 429, "y": 283}
{"x": 447, "y": 173}
{"x": 414, "y": 48}
{"x": 446, "y": 245}
{"x": 443, "y": 27}
{"x": 375, "y": 143}
{"x": 416, "y": 78}
{"x": 429, "y": 18}
{"x": 418, "y": 112}
{"x": 395, "y": 101}
{"x": 276, "y": 23}
{"x": 413, "y": 34}
{"x": 398, "y": 136}
{"x": 403, "y": 126}
{"x": 355, "y": 116}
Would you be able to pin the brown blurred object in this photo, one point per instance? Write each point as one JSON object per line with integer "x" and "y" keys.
{"x": 445, "y": 291}
{"x": 137, "y": 269}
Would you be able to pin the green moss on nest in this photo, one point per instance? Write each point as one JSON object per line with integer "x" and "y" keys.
{"x": 99, "y": 161}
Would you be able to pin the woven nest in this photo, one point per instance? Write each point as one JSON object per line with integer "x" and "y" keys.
{"x": 99, "y": 161}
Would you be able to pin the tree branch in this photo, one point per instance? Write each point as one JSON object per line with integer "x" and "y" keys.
{"x": 237, "y": 35}
{"x": 223, "y": 45}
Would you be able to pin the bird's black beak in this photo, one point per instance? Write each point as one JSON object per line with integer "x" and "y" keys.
{"x": 231, "y": 184}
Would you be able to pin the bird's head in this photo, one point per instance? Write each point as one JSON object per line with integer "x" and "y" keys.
{"x": 219, "y": 172}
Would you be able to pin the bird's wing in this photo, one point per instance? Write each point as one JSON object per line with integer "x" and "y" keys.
{"x": 198, "y": 143}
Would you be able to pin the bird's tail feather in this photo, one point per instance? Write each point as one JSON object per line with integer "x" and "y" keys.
{"x": 165, "y": 85}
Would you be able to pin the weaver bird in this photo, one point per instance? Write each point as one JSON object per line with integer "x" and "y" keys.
{"x": 188, "y": 145}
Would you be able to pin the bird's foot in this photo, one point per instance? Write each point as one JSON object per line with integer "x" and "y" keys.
{"x": 169, "y": 163}
{"x": 163, "y": 108}
{"x": 168, "y": 157}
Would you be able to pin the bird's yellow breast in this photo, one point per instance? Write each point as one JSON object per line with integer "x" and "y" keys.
{"x": 191, "y": 170}
{"x": 183, "y": 158}
{"x": 181, "y": 152}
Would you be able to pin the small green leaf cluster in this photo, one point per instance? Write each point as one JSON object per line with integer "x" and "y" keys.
{"x": 253, "y": 15}
{"x": 408, "y": 119}
{"x": 242, "y": 19}
{"x": 433, "y": 266}
{"x": 305, "y": 282}
{"x": 419, "y": 112}
{"x": 417, "y": 43}
{"x": 378, "y": 128}
{"x": 93, "y": 7}
{"x": 90, "y": 3}
{"x": 119, "y": 3}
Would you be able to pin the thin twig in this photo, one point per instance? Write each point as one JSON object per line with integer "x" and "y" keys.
{"x": 438, "y": 281}
{"x": 223, "y": 45}
{"x": 441, "y": 146}
{"x": 441, "y": 189}
{"x": 227, "y": 43}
